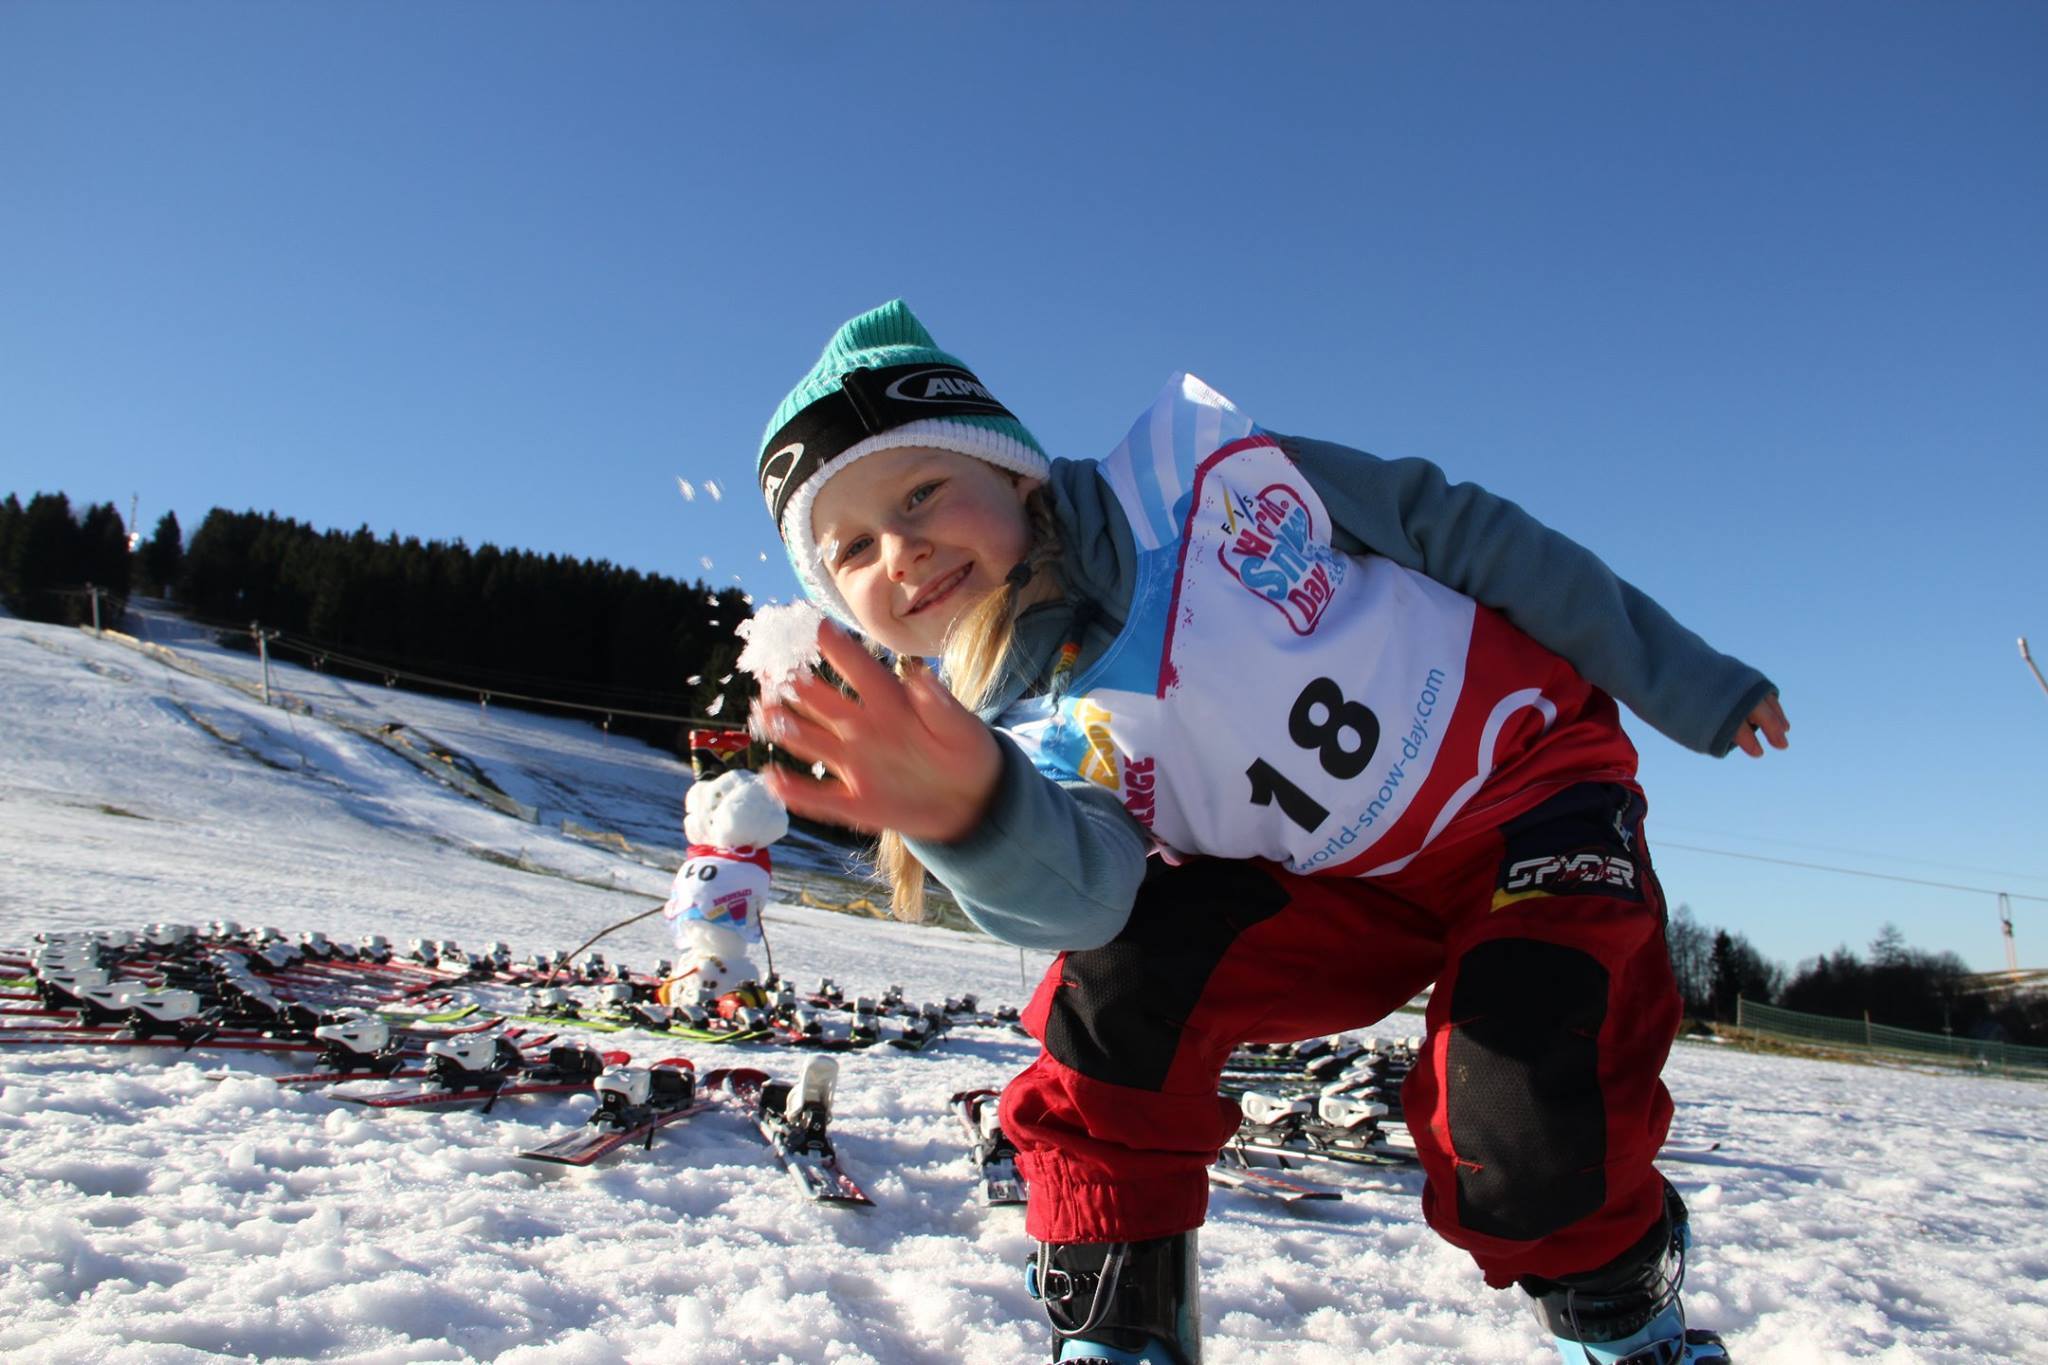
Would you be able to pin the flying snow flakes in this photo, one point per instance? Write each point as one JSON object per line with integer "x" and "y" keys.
{"x": 717, "y": 705}
{"x": 705, "y": 560}
{"x": 711, "y": 487}
{"x": 686, "y": 488}
{"x": 693, "y": 679}
{"x": 782, "y": 644}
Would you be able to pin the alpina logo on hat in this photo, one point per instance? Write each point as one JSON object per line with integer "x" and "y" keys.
{"x": 942, "y": 386}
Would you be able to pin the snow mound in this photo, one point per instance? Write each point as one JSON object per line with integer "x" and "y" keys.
{"x": 733, "y": 810}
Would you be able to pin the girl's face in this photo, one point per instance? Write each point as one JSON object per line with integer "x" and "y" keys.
{"x": 913, "y": 536}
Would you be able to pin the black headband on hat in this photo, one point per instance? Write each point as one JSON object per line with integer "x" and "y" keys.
{"x": 867, "y": 401}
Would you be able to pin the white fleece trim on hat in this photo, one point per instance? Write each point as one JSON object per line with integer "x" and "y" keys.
{"x": 987, "y": 444}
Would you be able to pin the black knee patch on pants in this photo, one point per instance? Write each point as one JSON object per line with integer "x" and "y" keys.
{"x": 1522, "y": 1087}
{"x": 1121, "y": 1012}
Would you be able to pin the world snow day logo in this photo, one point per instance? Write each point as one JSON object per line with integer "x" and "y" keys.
{"x": 1272, "y": 550}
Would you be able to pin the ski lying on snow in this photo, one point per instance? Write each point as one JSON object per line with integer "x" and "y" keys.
{"x": 27, "y": 1037}
{"x": 792, "y": 1120}
{"x": 403, "y": 1065}
{"x": 1336, "y": 1156}
{"x": 994, "y": 1155}
{"x": 633, "y": 1103}
{"x": 1238, "y": 1170}
{"x": 563, "y": 1071}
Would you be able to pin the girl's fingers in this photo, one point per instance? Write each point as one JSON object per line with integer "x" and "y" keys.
{"x": 817, "y": 798}
{"x": 941, "y": 711}
{"x": 880, "y": 691}
{"x": 808, "y": 740}
{"x": 812, "y": 696}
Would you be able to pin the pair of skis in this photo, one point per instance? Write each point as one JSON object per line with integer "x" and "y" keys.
{"x": 995, "y": 1161}
{"x": 792, "y": 1118}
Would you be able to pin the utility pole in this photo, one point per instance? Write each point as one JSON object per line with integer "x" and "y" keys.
{"x": 2012, "y": 952}
{"x": 263, "y": 639}
{"x": 2031, "y": 665}
{"x": 95, "y": 607}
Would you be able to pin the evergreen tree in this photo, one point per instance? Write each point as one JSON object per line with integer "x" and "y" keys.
{"x": 162, "y": 556}
{"x": 45, "y": 560}
{"x": 1737, "y": 971}
{"x": 10, "y": 527}
{"x": 103, "y": 547}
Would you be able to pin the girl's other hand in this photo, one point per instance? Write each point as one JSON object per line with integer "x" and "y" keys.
{"x": 902, "y": 754}
{"x": 1768, "y": 720}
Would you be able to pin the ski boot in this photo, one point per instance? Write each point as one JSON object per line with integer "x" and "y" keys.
{"x": 1628, "y": 1311}
{"x": 1121, "y": 1303}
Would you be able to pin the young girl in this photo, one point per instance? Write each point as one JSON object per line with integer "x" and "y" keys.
{"x": 1363, "y": 717}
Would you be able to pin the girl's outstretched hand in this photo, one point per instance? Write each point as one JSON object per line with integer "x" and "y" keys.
{"x": 903, "y": 754}
{"x": 1768, "y": 720}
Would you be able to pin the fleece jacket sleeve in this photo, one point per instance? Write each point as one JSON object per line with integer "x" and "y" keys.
{"x": 1553, "y": 589}
{"x": 1051, "y": 866}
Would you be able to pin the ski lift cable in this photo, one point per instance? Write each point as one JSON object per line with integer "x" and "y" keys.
{"x": 1852, "y": 871}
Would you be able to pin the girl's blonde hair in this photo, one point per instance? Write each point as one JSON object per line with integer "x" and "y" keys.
{"x": 971, "y": 666}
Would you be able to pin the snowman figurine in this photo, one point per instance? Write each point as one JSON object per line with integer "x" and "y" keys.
{"x": 714, "y": 908}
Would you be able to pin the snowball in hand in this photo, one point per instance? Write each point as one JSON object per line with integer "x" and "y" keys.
{"x": 733, "y": 810}
{"x": 782, "y": 644}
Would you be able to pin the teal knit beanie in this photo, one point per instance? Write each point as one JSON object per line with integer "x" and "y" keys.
{"x": 881, "y": 384}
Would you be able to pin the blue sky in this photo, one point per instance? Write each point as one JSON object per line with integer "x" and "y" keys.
{"x": 1747, "y": 297}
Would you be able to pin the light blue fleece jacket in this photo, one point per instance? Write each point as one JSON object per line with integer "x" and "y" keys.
{"x": 1057, "y": 865}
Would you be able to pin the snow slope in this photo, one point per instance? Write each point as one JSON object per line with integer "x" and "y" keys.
{"x": 159, "y": 1212}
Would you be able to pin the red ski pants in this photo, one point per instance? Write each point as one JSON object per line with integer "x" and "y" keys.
{"x": 1536, "y": 1104}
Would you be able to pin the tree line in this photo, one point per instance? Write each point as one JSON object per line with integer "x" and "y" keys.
{"x": 485, "y": 619}
{"x": 49, "y": 555}
{"x": 1892, "y": 984}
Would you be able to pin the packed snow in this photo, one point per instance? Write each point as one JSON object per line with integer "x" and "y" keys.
{"x": 782, "y": 644}
{"x": 733, "y": 810}
{"x": 180, "y": 1207}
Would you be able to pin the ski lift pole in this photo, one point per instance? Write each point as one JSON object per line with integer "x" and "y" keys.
{"x": 263, "y": 639}
{"x": 2032, "y": 667}
{"x": 2012, "y": 951}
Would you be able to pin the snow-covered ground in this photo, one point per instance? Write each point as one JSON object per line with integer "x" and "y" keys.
{"x": 159, "y": 1213}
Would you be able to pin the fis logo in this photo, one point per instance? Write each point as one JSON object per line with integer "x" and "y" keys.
{"x": 1574, "y": 870}
{"x": 1273, "y": 552}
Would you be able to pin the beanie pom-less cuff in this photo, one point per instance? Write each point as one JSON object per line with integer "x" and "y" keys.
{"x": 990, "y": 444}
